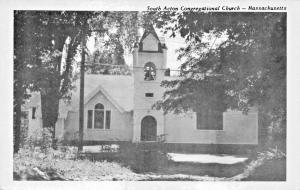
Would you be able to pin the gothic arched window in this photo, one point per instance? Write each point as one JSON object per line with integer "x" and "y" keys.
{"x": 98, "y": 117}
{"x": 149, "y": 71}
{"x": 99, "y": 106}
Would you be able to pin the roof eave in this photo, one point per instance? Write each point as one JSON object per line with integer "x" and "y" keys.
{"x": 106, "y": 94}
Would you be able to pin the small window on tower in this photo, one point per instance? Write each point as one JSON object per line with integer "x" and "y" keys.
{"x": 149, "y": 94}
{"x": 149, "y": 71}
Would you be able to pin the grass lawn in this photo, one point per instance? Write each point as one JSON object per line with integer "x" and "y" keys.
{"x": 181, "y": 166}
{"x": 274, "y": 170}
{"x": 212, "y": 169}
{"x": 176, "y": 166}
{"x": 141, "y": 165}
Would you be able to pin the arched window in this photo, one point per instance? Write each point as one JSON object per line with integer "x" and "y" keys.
{"x": 148, "y": 128}
{"x": 98, "y": 117}
{"x": 149, "y": 71}
{"x": 99, "y": 106}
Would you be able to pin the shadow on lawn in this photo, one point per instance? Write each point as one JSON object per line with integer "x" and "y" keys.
{"x": 156, "y": 162}
{"x": 271, "y": 170}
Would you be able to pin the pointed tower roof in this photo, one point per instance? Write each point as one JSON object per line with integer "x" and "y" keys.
{"x": 149, "y": 29}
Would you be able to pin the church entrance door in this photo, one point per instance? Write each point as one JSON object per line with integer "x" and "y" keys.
{"x": 148, "y": 129}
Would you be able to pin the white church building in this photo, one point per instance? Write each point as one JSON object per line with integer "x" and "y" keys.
{"x": 119, "y": 108}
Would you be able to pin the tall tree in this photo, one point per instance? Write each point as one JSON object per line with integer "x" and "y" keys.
{"x": 247, "y": 69}
{"x": 22, "y": 58}
{"x": 52, "y": 44}
{"x": 112, "y": 45}
{"x": 46, "y": 43}
{"x": 84, "y": 35}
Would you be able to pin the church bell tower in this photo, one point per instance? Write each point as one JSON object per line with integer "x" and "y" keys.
{"x": 149, "y": 64}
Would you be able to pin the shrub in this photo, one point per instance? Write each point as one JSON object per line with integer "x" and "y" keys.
{"x": 271, "y": 153}
{"x": 23, "y": 134}
{"x": 143, "y": 157}
{"x": 71, "y": 139}
{"x": 262, "y": 157}
{"x": 41, "y": 138}
{"x": 63, "y": 163}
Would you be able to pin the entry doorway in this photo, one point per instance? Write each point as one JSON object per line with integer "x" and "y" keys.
{"x": 148, "y": 129}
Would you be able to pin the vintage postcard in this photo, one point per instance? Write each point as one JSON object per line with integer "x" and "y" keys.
{"x": 119, "y": 94}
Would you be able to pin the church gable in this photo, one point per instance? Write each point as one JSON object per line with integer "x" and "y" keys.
{"x": 150, "y": 43}
{"x": 117, "y": 88}
{"x": 101, "y": 93}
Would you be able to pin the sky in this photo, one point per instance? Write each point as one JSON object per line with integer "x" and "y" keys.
{"x": 172, "y": 44}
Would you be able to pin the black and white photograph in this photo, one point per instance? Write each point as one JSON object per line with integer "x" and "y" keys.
{"x": 163, "y": 93}
{"x": 201, "y": 96}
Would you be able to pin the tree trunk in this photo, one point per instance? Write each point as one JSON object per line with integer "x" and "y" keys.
{"x": 50, "y": 110}
{"x": 53, "y": 90}
{"x": 81, "y": 101}
{"x": 17, "y": 125}
{"x": 18, "y": 100}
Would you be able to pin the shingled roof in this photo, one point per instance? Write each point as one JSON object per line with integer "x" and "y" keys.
{"x": 149, "y": 29}
{"x": 117, "y": 88}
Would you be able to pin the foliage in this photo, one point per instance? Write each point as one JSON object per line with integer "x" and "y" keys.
{"x": 108, "y": 69}
{"x": 268, "y": 155}
{"x": 44, "y": 56}
{"x": 143, "y": 157}
{"x": 111, "y": 45}
{"x": 21, "y": 59}
{"x": 70, "y": 138}
{"x": 46, "y": 43}
{"x": 24, "y": 130}
{"x": 247, "y": 68}
{"x": 63, "y": 162}
{"x": 41, "y": 138}
{"x": 271, "y": 153}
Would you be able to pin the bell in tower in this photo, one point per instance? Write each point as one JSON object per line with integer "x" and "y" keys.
{"x": 153, "y": 50}
{"x": 149, "y": 63}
